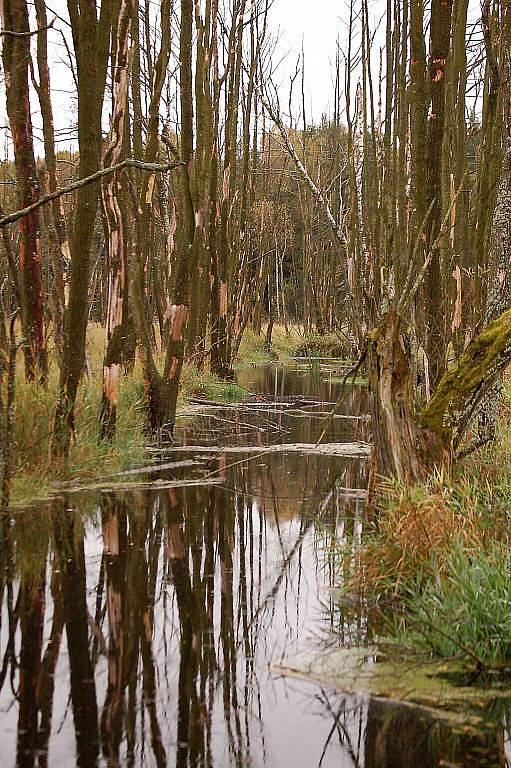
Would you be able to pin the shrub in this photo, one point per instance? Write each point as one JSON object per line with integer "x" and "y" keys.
{"x": 328, "y": 345}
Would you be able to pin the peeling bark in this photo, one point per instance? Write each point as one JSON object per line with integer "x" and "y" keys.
{"x": 393, "y": 417}
{"x": 117, "y": 230}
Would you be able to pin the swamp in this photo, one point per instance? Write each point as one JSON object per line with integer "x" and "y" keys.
{"x": 255, "y": 384}
{"x": 203, "y": 622}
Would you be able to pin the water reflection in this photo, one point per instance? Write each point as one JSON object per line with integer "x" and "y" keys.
{"x": 139, "y": 628}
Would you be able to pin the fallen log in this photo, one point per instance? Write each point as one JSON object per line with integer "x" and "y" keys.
{"x": 356, "y": 450}
{"x": 156, "y": 485}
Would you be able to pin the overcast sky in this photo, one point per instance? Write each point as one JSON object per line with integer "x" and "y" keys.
{"x": 316, "y": 23}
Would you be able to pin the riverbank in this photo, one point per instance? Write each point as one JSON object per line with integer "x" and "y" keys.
{"x": 35, "y": 473}
{"x": 435, "y": 560}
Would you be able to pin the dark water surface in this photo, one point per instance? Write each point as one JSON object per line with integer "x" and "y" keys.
{"x": 141, "y": 627}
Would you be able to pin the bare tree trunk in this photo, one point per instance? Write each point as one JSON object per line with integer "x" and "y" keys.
{"x": 115, "y": 215}
{"x": 91, "y": 37}
{"x": 57, "y": 228}
{"x": 16, "y": 61}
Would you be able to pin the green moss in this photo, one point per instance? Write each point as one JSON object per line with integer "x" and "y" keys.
{"x": 390, "y": 673}
{"x": 484, "y": 357}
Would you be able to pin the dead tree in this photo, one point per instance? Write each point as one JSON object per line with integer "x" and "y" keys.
{"x": 115, "y": 216}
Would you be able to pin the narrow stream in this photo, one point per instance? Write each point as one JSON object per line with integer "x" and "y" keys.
{"x": 144, "y": 626}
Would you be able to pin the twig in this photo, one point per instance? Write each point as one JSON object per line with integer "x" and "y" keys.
{"x": 11, "y": 33}
{"x": 473, "y": 446}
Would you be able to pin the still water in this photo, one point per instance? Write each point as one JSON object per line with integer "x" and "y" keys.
{"x": 144, "y": 626}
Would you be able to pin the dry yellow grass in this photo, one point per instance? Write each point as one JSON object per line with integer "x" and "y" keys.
{"x": 416, "y": 528}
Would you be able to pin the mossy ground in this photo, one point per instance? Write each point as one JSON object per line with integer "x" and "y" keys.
{"x": 441, "y": 687}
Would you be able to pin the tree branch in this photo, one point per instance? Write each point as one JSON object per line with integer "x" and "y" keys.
{"x": 128, "y": 163}
{"x": 10, "y": 33}
{"x": 335, "y": 226}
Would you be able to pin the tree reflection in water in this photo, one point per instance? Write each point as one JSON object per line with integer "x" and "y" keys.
{"x": 142, "y": 631}
{"x": 139, "y": 629}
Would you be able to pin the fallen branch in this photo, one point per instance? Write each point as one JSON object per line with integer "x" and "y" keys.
{"x": 154, "y": 485}
{"x": 349, "y": 450}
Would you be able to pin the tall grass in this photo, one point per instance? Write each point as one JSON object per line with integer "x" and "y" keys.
{"x": 462, "y": 611}
{"x": 436, "y": 561}
{"x": 35, "y": 471}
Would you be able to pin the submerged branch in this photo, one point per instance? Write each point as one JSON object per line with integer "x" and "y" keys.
{"x": 329, "y": 449}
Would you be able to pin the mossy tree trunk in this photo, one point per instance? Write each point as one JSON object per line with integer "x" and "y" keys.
{"x": 451, "y": 409}
{"x": 91, "y": 39}
{"x": 409, "y": 445}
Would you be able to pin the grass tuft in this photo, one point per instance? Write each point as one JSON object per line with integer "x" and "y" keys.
{"x": 464, "y": 611}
